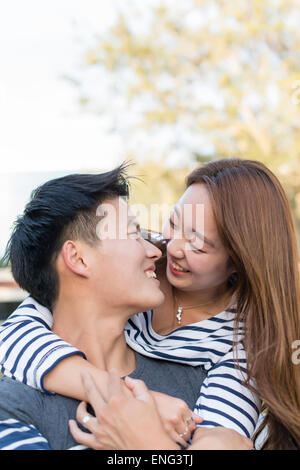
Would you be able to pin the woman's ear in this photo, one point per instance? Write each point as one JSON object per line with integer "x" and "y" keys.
{"x": 72, "y": 254}
{"x": 232, "y": 274}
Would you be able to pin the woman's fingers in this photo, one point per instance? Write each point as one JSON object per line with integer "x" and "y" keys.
{"x": 186, "y": 424}
{"x": 178, "y": 439}
{"x": 93, "y": 394}
{"x": 84, "y": 438}
{"x": 184, "y": 431}
{"x": 114, "y": 383}
{"x": 138, "y": 388}
{"x": 88, "y": 421}
{"x": 196, "y": 418}
{"x": 190, "y": 420}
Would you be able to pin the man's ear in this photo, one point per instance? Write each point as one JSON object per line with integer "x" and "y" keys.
{"x": 72, "y": 254}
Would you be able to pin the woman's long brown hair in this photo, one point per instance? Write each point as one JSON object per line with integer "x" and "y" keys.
{"x": 255, "y": 224}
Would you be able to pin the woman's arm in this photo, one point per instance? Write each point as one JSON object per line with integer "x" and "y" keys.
{"x": 123, "y": 423}
{"x": 65, "y": 379}
{"x": 219, "y": 438}
{"x": 225, "y": 400}
{"x": 33, "y": 354}
{"x": 174, "y": 412}
{"x": 29, "y": 350}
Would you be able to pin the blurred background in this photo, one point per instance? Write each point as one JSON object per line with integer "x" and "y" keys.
{"x": 87, "y": 84}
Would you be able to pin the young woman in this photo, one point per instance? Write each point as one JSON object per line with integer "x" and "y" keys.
{"x": 229, "y": 296}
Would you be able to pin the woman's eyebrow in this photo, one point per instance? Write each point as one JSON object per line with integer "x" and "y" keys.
{"x": 198, "y": 234}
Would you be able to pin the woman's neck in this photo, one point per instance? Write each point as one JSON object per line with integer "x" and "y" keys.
{"x": 207, "y": 299}
{"x": 205, "y": 304}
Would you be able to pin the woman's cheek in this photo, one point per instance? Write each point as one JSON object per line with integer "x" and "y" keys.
{"x": 196, "y": 263}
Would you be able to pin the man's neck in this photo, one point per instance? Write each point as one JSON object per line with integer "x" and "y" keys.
{"x": 95, "y": 330}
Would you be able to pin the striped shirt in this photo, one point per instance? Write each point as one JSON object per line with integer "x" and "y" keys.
{"x": 29, "y": 350}
{"x": 49, "y": 414}
{"x": 15, "y": 435}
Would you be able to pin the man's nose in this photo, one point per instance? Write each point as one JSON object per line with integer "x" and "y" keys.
{"x": 152, "y": 251}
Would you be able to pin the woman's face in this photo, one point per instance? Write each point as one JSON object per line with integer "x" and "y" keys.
{"x": 197, "y": 260}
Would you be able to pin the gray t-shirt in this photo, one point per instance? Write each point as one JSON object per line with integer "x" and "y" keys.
{"x": 50, "y": 413}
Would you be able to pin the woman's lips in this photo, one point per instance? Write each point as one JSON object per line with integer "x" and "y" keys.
{"x": 175, "y": 272}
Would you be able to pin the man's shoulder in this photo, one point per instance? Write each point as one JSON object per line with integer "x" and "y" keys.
{"x": 25, "y": 397}
{"x": 18, "y": 401}
{"x": 17, "y": 392}
{"x": 7, "y": 385}
{"x": 49, "y": 414}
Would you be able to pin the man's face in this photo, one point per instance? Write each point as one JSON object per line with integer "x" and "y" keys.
{"x": 122, "y": 263}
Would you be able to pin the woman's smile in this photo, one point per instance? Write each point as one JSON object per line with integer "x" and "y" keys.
{"x": 176, "y": 269}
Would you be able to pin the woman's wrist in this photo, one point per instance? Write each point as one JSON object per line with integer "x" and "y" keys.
{"x": 163, "y": 442}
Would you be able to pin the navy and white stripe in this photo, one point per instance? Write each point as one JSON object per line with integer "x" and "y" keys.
{"x": 29, "y": 350}
{"x": 15, "y": 435}
{"x": 223, "y": 400}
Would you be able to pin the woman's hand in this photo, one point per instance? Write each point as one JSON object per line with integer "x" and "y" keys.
{"x": 121, "y": 422}
{"x": 178, "y": 420}
{"x": 219, "y": 438}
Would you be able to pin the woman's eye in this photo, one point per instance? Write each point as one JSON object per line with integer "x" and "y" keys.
{"x": 197, "y": 250}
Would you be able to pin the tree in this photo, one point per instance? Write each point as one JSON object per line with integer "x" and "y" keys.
{"x": 199, "y": 79}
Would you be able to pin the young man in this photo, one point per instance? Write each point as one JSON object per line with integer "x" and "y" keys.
{"x": 78, "y": 251}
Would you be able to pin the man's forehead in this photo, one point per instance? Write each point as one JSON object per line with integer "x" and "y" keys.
{"x": 117, "y": 209}
{"x": 112, "y": 206}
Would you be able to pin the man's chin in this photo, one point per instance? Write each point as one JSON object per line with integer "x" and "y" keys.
{"x": 153, "y": 302}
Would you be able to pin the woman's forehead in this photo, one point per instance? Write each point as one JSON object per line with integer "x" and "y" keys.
{"x": 196, "y": 193}
{"x": 194, "y": 210}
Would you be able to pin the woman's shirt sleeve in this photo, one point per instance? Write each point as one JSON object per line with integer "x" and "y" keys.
{"x": 28, "y": 348}
{"x": 225, "y": 400}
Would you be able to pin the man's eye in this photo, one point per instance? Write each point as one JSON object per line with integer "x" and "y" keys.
{"x": 136, "y": 234}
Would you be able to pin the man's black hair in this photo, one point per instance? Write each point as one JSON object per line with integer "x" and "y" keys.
{"x": 55, "y": 206}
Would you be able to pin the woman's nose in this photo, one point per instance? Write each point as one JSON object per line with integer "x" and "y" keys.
{"x": 174, "y": 248}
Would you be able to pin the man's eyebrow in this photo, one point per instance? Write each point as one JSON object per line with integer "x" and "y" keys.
{"x": 203, "y": 238}
{"x": 177, "y": 211}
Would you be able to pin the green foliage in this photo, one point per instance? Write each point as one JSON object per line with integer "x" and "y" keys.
{"x": 157, "y": 187}
{"x": 226, "y": 71}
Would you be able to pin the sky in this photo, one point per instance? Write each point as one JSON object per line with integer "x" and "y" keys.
{"x": 41, "y": 128}
{"x": 42, "y": 132}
